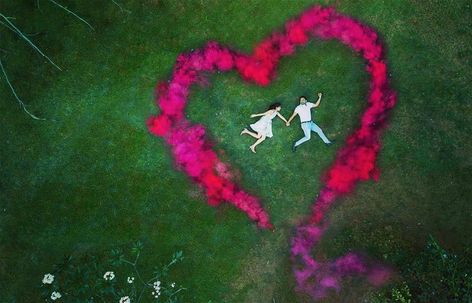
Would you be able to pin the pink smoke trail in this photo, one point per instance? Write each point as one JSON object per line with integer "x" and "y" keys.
{"x": 355, "y": 161}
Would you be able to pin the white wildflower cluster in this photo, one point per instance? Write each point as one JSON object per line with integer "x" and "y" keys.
{"x": 172, "y": 285}
{"x": 55, "y": 295}
{"x": 125, "y": 300}
{"x": 157, "y": 289}
{"x": 109, "y": 275}
{"x": 48, "y": 279}
{"x": 130, "y": 280}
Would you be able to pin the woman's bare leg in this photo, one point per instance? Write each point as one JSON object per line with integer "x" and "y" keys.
{"x": 253, "y": 147}
{"x": 247, "y": 132}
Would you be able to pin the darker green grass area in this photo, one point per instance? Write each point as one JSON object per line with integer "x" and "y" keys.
{"x": 91, "y": 178}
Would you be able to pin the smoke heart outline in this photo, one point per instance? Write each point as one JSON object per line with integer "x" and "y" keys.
{"x": 355, "y": 161}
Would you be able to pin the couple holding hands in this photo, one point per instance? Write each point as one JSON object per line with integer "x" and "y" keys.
{"x": 263, "y": 128}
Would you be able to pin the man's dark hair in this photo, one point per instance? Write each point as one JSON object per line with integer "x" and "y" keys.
{"x": 302, "y": 97}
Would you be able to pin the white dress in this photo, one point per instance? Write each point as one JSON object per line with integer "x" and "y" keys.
{"x": 264, "y": 125}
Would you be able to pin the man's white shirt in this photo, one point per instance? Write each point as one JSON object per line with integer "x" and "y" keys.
{"x": 304, "y": 111}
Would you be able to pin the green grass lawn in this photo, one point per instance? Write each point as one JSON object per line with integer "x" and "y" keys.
{"x": 91, "y": 177}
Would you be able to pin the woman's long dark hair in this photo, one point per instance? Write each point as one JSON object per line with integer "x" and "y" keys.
{"x": 274, "y": 105}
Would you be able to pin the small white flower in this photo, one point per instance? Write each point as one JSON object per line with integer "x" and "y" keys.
{"x": 157, "y": 289}
{"x": 157, "y": 285}
{"x": 48, "y": 279}
{"x": 130, "y": 280}
{"x": 55, "y": 295}
{"x": 172, "y": 285}
{"x": 125, "y": 300}
{"x": 109, "y": 275}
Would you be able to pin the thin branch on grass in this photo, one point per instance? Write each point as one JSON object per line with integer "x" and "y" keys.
{"x": 121, "y": 8}
{"x": 35, "y": 34}
{"x": 134, "y": 265}
{"x": 176, "y": 292}
{"x": 71, "y": 12}
{"x": 16, "y": 96}
{"x": 20, "y": 33}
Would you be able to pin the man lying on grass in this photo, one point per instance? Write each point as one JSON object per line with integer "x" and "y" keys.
{"x": 303, "y": 110}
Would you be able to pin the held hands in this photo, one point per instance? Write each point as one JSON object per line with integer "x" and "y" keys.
{"x": 287, "y": 123}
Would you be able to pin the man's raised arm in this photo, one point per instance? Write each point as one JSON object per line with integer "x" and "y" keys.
{"x": 318, "y": 101}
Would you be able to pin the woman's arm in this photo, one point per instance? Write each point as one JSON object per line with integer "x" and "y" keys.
{"x": 291, "y": 118}
{"x": 282, "y": 117}
{"x": 263, "y": 114}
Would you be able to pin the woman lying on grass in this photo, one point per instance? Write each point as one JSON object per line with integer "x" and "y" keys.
{"x": 263, "y": 128}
